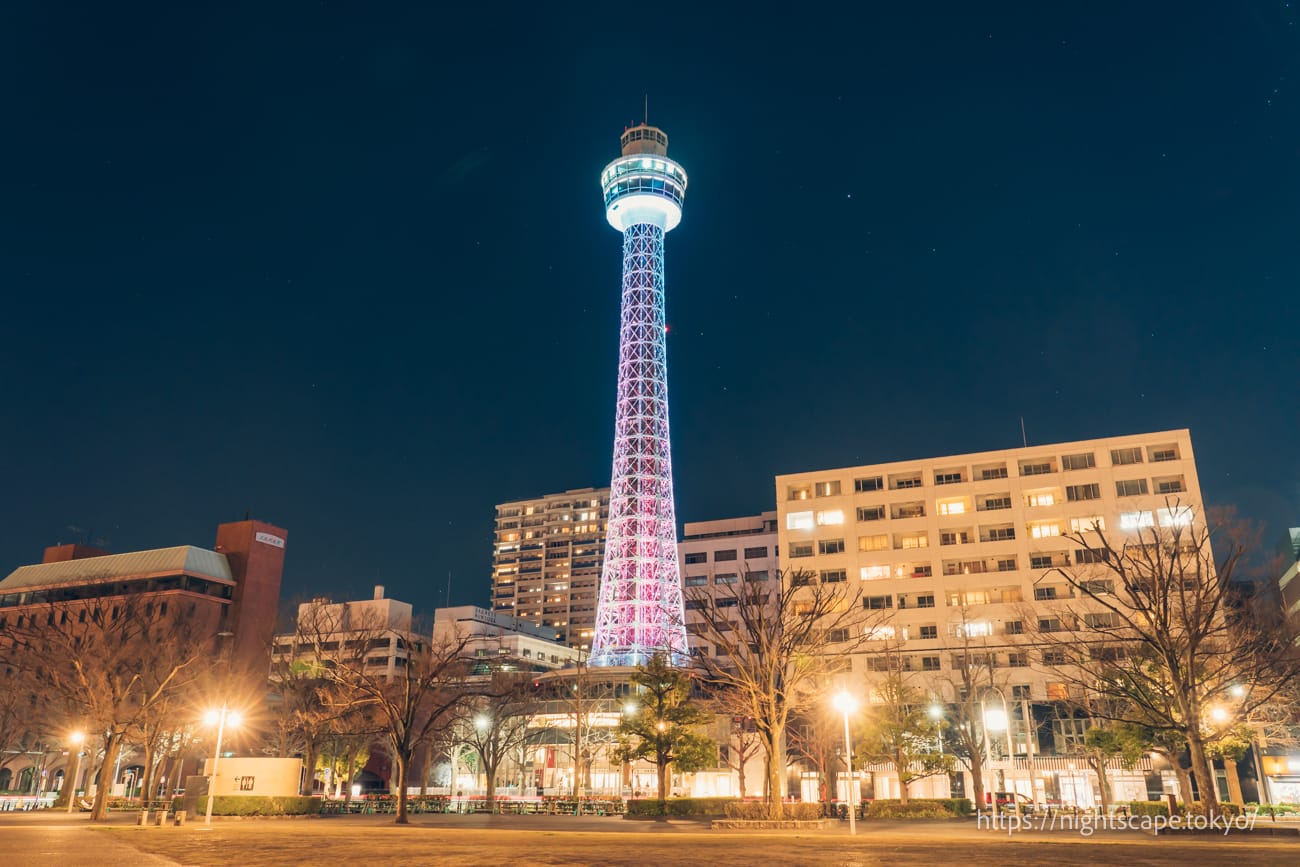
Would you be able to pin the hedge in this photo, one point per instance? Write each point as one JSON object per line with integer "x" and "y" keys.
{"x": 1161, "y": 808}
{"x": 254, "y": 805}
{"x": 918, "y": 808}
{"x": 679, "y": 806}
{"x": 757, "y": 810}
{"x": 1273, "y": 809}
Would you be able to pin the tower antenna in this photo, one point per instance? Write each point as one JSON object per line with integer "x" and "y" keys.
{"x": 646, "y": 119}
{"x": 1024, "y": 440}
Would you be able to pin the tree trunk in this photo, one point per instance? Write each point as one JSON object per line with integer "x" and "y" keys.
{"x": 1204, "y": 772}
{"x": 146, "y": 784}
{"x": 977, "y": 783}
{"x": 308, "y": 771}
{"x": 400, "y": 761}
{"x": 661, "y": 769}
{"x": 1103, "y": 784}
{"x": 1184, "y": 780}
{"x": 104, "y": 781}
{"x": 772, "y": 767}
{"x": 347, "y": 784}
{"x": 490, "y": 772}
{"x": 1234, "y": 781}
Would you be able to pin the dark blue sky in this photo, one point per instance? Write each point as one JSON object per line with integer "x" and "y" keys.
{"x": 346, "y": 266}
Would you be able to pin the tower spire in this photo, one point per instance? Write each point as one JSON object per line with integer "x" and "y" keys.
{"x": 640, "y": 611}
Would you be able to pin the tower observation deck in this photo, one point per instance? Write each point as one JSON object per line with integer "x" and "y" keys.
{"x": 640, "y": 611}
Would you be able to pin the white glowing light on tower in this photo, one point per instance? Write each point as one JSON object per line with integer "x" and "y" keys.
{"x": 640, "y": 611}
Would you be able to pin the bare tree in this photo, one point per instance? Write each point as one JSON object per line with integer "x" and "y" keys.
{"x": 898, "y": 729}
{"x": 21, "y": 713}
{"x": 775, "y": 646}
{"x": 111, "y": 665}
{"x": 817, "y": 737}
{"x": 410, "y": 707}
{"x": 498, "y": 723}
{"x": 742, "y": 741}
{"x": 1153, "y": 629}
{"x": 581, "y": 694}
{"x": 972, "y": 677}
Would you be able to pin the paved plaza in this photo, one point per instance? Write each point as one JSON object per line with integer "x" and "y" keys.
{"x": 42, "y": 839}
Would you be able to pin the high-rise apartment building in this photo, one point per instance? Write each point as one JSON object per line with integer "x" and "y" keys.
{"x": 959, "y": 552}
{"x": 547, "y": 560}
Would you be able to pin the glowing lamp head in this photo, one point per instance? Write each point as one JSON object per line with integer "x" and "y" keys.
{"x": 481, "y": 723}
{"x": 936, "y": 712}
{"x": 995, "y": 719}
{"x": 1218, "y": 714}
{"x": 661, "y": 725}
{"x": 1237, "y": 690}
{"x": 232, "y": 718}
{"x": 77, "y": 738}
{"x": 845, "y": 703}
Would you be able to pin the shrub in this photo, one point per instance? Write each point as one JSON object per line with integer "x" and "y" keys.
{"x": 254, "y": 805}
{"x": 956, "y": 806}
{"x": 916, "y": 808}
{"x": 800, "y": 811}
{"x": 679, "y": 806}
{"x": 1148, "y": 808}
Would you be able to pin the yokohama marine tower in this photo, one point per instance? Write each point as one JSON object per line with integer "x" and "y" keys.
{"x": 640, "y": 611}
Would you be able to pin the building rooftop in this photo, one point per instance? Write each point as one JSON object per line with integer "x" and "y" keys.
{"x": 183, "y": 559}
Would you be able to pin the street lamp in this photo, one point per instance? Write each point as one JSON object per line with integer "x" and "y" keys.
{"x": 936, "y": 714}
{"x": 76, "y": 739}
{"x": 847, "y": 704}
{"x": 220, "y": 718}
{"x": 996, "y": 720}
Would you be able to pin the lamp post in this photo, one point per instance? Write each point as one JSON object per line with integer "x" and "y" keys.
{"x": 76, "y": 739}
{"x": 847, "y": 704}
{"x": 936, "y": 714}
{"x": 219, "y": 718}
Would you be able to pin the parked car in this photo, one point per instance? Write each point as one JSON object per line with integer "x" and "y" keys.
{"x": 1009, "y": 802}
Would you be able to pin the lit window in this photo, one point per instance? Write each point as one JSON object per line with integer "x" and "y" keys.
{"x": 1176, "y": 516}
{"x": 879, "y": 633}
{"x": 828, "y": 489}
{"x": 1088, "y": 524}
{"x": 1042, "y": 499}
{"x": 874, "y": 543}
{"x": 830, "y": 517}
{"x": 977, "y": 629}
{"x": 799, "y": 521}
{"x": 915, "y": 540}
{"x": 1135, "y": 520}
{"x": 952, "y": 507}
{"x": 1043, "y": 531}
{"x": 874, "y": 573}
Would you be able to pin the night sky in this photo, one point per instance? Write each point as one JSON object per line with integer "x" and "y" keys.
{"x": 345, "y": 265}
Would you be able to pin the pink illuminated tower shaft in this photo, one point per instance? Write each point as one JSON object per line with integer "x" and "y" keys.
{"x": 640, "y": 612}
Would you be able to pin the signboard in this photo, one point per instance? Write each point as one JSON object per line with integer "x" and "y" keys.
{"x": 268, "y": 539}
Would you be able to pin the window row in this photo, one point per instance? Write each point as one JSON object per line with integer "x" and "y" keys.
{"x": 985, "y": 472}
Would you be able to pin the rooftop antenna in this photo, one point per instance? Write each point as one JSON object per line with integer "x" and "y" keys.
{"x": 447, "y": 600}
{"x": 1023, "y": 439}
{"x": 646, "y": 121}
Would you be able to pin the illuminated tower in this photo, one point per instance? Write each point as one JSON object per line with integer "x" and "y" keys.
{"x": 640, "y": 610}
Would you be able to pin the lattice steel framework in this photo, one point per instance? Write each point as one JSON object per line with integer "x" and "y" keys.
{"x": 640, "y": 611}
